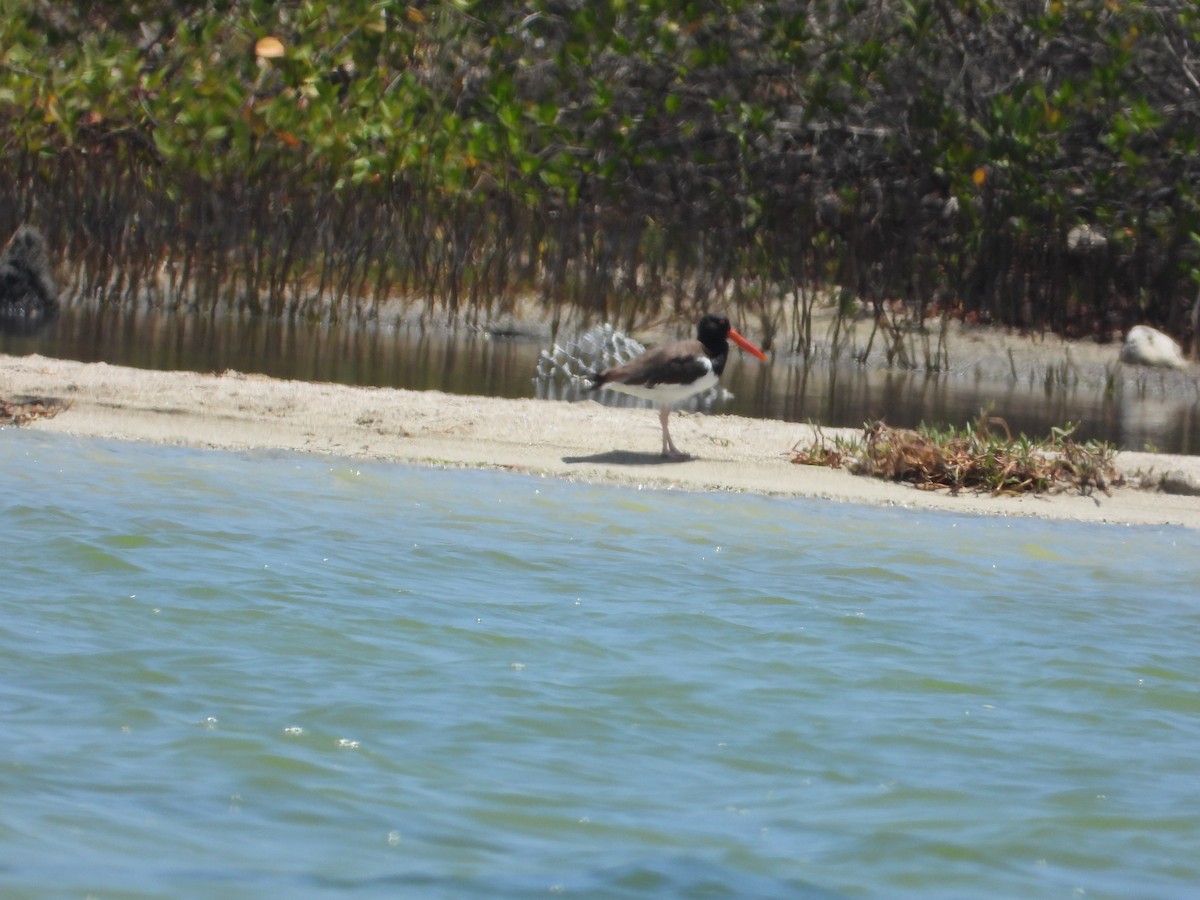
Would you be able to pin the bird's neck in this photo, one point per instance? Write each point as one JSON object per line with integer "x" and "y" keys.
{"x": 719, "y": 358}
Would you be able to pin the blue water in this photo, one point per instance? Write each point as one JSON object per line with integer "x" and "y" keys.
{"x": 252, "y": 675}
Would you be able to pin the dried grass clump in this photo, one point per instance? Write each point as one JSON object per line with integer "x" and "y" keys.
{"x": 978, "y": 459}
{"x": 23, "y": 410}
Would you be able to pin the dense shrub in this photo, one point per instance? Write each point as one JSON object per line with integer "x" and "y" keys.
{"x": 1028, "y": 163}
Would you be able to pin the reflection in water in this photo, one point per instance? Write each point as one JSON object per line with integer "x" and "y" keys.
{"x": 1149, "y": 408}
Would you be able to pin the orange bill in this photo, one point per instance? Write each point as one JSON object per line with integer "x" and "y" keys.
{"x": 746, "y": 345}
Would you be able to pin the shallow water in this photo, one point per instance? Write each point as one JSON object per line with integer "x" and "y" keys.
{"x": 1147, "y": 408}
{"x": 228, "y": 675}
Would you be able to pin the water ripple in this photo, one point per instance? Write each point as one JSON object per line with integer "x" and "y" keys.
{"x": 244, "y": 675}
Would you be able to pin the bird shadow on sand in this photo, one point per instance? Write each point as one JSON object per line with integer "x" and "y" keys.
{"x": 626, "y": 458}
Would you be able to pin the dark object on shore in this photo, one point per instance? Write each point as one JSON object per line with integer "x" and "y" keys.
{"x": 28, "y": 297}
{"x": 1175, "y": 482}
{"x": 23, "y": 410}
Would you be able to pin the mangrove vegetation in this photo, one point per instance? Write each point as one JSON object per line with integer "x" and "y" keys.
{"x": 1031, "y": 163}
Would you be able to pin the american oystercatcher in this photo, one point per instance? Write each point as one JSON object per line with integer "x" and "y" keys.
{"x": 676, "y": 371}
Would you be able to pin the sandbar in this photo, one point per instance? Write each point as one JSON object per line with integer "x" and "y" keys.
{"x": 581, "y": 441}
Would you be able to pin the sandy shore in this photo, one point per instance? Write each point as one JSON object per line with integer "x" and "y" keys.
{"x": 581, "y": 441}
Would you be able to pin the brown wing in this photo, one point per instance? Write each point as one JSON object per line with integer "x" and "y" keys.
{"x": 679, "y": 363}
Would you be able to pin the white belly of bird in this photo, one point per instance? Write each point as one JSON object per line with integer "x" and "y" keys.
{"x": 667, "y": 393}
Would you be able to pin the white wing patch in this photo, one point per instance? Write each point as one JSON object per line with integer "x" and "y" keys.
{"x": 667, "y": 393}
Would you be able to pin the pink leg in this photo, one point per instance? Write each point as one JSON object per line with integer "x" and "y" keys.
{"x": 669, "y": 450}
